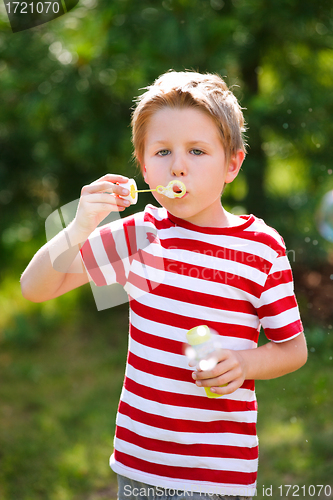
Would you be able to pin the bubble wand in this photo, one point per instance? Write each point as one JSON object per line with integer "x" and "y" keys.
{"x": 170, "y": 190}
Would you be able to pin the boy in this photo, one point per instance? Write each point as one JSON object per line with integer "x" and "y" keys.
{"x": 204, "y": 266}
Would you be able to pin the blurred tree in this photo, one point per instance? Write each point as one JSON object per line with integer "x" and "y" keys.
{"x": 67, "y": 87}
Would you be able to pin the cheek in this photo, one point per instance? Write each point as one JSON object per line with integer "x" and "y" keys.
{"x": 214, "y": 190}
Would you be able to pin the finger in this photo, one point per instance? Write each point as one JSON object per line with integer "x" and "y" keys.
{"x": 211, "y": 382}
{"x": 233, "y": 376}
{"x": 219, "y": 380}
{"x": 108, "y": 198}
{"x": 106, "y": 208}
{"x": 210, "y": 362}
{"x": 221, "y": 368}
{"x": 113, "y": 178}
{"x": 104, "y": 186}
{"x": 222, "y": 354}
{"x": 226, "y": 389}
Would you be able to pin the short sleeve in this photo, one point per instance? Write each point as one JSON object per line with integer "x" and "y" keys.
{"x": 121, "y": 252}
{"x": 278, "y": 310}
{"x": 105, "y": 254}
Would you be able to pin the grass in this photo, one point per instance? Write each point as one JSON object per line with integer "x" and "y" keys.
{"x": 59, "y": 391}
{"x": 295, "y": 428}
{"x": 61, "y": 371}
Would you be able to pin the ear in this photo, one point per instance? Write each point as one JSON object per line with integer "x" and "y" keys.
{"x": 144, "y": 173}
{"x": 139, "y": 163}
{"x": 235, "y": 163}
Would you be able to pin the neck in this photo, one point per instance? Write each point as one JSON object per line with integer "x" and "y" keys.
{"x": 221, "y": 218}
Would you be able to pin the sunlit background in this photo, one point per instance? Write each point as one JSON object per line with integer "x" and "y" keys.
{"x": 66, "y": 89}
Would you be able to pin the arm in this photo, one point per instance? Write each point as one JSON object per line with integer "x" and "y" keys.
{"x": 43, "y": 281}
{"x": 265, "y": 362}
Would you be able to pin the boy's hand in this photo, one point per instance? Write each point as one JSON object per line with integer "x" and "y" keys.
{"x": 230, "y": 369}
{"x": 268, "y": 361}
{"x": 98, "y": 200}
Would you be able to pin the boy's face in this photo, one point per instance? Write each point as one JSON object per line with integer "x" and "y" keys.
{"x": 184, "y": 144}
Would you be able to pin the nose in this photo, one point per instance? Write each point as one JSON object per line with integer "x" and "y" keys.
{"x": 178, "y": 166}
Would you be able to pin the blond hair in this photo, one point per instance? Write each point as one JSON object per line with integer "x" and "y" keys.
{"x": 187, "y": 89}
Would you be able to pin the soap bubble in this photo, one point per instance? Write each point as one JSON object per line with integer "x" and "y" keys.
{"x": 325, "y": 216}
{"x": 208, "y": 364}
{"x": 190, "y": 353}
{"x": 202, "y": 331}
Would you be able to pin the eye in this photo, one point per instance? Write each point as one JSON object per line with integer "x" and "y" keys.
{"x": 163, "y": 152}
{"x": 197, "y": 152}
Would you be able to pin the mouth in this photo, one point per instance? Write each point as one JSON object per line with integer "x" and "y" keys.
{"x": 176, "y": 189}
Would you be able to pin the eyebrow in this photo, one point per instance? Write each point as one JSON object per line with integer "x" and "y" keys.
{"x": 200, "y": 141}
{"x": 165, "y": 141}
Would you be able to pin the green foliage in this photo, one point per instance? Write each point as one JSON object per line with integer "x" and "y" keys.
{"x": 67, "y": 89}
{"x": 60, "y": 394}
{"x": 293, "y": 425}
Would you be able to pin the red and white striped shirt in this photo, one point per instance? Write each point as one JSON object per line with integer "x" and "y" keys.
{"x": 178, "y": 276}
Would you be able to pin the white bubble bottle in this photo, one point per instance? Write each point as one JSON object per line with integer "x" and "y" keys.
{"x": 203, "y": 344}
